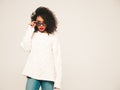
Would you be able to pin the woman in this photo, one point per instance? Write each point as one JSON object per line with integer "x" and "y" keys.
{"x": 44, "y": 65}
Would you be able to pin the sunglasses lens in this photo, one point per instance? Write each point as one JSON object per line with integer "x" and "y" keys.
{"x": 39, "y": 24}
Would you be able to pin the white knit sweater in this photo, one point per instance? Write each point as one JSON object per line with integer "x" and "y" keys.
{"x": 44, "y": 59}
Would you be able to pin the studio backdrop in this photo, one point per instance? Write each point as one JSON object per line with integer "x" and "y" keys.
{"x": 89, "y": 34}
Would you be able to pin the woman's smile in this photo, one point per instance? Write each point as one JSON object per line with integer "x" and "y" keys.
{"x": 41, "y": 28}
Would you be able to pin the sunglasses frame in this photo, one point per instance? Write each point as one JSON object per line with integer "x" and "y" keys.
{"x": 38, "y": 23}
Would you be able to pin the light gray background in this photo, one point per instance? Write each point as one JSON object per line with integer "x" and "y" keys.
{"x": 89, "y": 32}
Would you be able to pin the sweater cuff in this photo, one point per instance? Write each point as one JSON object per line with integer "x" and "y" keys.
{"x": 30, "y": 28}
{"x": 57, "y": 85}
{"x": 29, "y": 32}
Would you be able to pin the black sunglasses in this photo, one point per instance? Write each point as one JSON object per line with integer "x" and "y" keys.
{"x": 38, "y": 23}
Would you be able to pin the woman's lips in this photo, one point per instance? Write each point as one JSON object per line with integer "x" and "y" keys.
{"x": 41, "y": 29}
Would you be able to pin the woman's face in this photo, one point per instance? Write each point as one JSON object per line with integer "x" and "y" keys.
{"x": 41, "y": 25}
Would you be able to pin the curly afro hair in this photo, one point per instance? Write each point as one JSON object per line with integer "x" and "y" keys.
{"x": 49, "y": 19}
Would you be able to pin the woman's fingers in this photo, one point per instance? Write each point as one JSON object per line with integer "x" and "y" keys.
{"x": 33, "y": 24}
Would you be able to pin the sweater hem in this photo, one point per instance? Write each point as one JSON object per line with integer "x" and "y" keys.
{"x": 38, "y": 78}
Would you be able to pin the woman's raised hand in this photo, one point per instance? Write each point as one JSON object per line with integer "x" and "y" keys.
{"x": 33, "y": 23}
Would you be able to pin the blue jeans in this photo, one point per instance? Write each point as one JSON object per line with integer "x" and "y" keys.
{"x": 34, "y": 84}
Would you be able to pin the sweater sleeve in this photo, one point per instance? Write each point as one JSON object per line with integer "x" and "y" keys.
{"x": 58, "y": 62}
{"x": 27, "y": 38}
